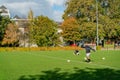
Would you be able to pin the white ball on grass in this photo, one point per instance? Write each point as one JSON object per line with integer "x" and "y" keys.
{"x": 68, "y": 60}
{"x": 103, "y": 58}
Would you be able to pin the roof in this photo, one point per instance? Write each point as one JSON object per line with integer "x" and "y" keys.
{"x": 3, "y": 7}
{"x": 16, "y": 17}
{"x": 59, "y": 23}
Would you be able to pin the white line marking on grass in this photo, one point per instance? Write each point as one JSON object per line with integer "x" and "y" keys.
{"x": 76, "y": 61}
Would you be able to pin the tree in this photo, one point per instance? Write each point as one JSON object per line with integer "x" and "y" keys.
{"x": 43, "y": 31}
{"x": 30, "y": 19}
{"x": 113, "y": 10}
{"x": 118, "y": 31}
{"x": 109, "y": 27}
{"x": 10, "y": 36}
{"x": 71, "y": 30}
{"x": 4, "y": 21}
{"x": 30, "y": 14}
{"x": 117, "y": 28}
{"x": 85, "y": 13}
{"x": 84, "y": 9}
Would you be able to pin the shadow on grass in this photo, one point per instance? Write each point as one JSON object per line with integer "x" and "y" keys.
{"x": 78, "y": 74}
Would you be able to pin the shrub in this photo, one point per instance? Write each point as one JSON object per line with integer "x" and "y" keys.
{"x": 38, "y": 48}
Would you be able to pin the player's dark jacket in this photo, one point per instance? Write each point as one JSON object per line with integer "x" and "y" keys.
{"x": 87, "y": 48}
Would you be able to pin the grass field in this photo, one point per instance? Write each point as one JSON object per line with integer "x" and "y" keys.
{"x": 53, "y": 65}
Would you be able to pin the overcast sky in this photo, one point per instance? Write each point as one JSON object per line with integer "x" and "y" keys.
{"x": 52, "y": 8}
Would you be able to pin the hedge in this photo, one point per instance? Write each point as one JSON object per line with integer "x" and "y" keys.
{"x": 38, "y": 48}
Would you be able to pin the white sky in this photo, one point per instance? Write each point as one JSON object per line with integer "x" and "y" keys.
{"x": 52, "y": 8}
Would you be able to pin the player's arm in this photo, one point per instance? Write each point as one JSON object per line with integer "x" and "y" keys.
{"x": 92, "y": 49}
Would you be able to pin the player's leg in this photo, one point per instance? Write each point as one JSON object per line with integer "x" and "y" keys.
{"x": 88, "y": 57}
{"x": 76, "y": 52}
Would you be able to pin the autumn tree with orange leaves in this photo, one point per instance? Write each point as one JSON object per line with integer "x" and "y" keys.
{"x": 11, "y": 35}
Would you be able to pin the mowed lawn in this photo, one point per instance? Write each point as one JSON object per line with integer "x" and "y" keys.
{"x": 53, "y": 65}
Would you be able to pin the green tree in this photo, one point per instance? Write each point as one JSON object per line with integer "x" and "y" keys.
{"x": 117, "y": 28}
{"x": 85, "y": 13}
{"x": 30, "y": 21}
{"x": 118, "y": 31}
{"x": 84, "y": 9}
{"x": 109, "y": 27}
{"x": 71, "y": 30}
{"x": 43, "y": 31}
{"x": 113, "y": 11}
{"x": 30, "y": 15}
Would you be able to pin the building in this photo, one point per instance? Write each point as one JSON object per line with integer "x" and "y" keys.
{"x": 23, "y": 30}
{"x": 4, "y": 11}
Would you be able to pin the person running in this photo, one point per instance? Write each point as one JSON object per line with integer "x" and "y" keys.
{"x": 88, "y": 50}
{"x": 76, "y": 51}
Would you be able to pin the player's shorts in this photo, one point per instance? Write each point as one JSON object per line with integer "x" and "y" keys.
{"x": 88, "y": 54}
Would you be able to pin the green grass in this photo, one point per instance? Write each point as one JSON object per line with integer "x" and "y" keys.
{"x": 53, "y": 65}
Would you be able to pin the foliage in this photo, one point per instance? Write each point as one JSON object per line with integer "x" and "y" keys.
{"x": 71, "y": 30}
{"x": 30, "y": 14}
{"x": 38, "y": 48}
{"x": 11, "y": 35}
{"x": 114, "y": 9}
{"x": 118, "y": 31}
{"x": 88, "y": 30}
{"x": 3, "y": 24}
{"x": 110, "y": 27}
{"x": 86, "y": 8}
{"x": 43, "y": 31}
{"x": 108, "y": 16}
